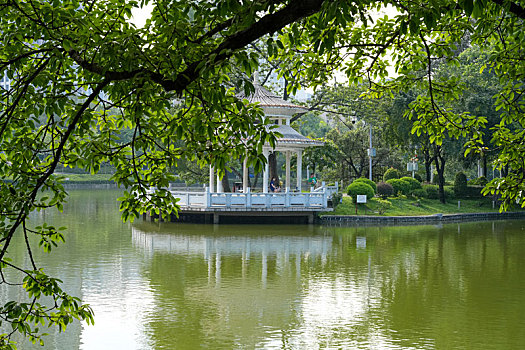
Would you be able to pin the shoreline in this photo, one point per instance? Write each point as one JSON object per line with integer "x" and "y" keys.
{"x": 417, "y": 219}
{"x": 365, "y": 220}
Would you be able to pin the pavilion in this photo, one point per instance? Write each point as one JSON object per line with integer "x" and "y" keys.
{"x": 290, "y": 205}
{"x": 280, "y": 112}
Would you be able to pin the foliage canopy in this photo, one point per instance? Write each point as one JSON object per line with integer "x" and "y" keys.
{"x": 81, "y": 74}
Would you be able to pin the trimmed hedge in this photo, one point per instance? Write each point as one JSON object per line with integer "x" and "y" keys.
{"x": 419, "y": 193}
{"x": 432, "y": 191}
{"x": 367, "y": 181}
{"x": 449, "y": 193}
{"x": 385, "y": 190}
{"x": 460, "y": 184}
{"x": 473, "y": 192}
{"x": 391, "y": 173}
{"x": 360, "y": 188}
{"x": 414, "y": 184}
{"x": 480, "y": 181}
{"x": 336, "y": 199}
{"x": 400, "y": 185}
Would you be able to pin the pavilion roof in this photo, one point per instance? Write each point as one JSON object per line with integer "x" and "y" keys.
{"x": 291, "y": 137}
{"x": 272, "y": 103}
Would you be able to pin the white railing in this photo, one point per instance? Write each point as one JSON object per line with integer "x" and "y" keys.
{"x": 330, "y": 190}
{"x": 315, "y": 199}
{"x": 255, "y": 200}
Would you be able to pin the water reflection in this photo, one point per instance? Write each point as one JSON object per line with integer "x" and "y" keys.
{"x": 177, "y": 286}
{"x": 282, "y": 287}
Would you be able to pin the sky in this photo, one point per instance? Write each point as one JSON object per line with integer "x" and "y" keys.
{"x": 140, "y": 15}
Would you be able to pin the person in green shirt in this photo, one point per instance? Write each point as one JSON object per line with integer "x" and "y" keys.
{"x": 312, "y": 181}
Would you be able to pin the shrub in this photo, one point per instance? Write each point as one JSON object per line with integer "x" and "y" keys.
{"x": 473, "y": 192}
{"x": 367, "y": 181}
{"x": 418, "y": 177}
{"x": 400, "y": 186}
{"x": 383, "y": 205}
{"x": 385, "y": 189}
{"x": 432, "y": 191}
{"x": 336, "y": 199}
{"x": 419, "y": 193}
{"x": 460, "y": 184}
{"x": 414, "y": 184}
{"x": 391, "y": 173}
{"x": 360, "y": 188}
{"x": 480, "y": 181}
{"x": 449, "y": 193}
{"x": 435, "y": 178}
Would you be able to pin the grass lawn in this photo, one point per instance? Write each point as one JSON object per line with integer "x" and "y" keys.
{"x": 87, "y": 178}
{"x": 411, "y": 206}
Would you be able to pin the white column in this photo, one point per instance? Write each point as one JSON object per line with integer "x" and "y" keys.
{"x": 218, "y": 264}
{"x": 264, "y": 275}
{"x": 370, "y": 158}
{"x": 266, "y": 152}
{"x": 245, "y": 175}
{"x": 288, "y": 156}
{"x": 212, "y": 178}
{"x": 219, "y": 184}
{"x": 299, "y": 168}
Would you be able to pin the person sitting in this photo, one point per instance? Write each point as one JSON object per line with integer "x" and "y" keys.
{"x": 273, "y": 185}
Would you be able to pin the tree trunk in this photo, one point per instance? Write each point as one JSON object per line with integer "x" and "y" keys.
{"x": 440, "y": 168}
{"x": 285, "y": 92}
{"x": 352, "y": 168}
{"x": 484, "y": 161}
{"x": 238, "y": 173}
{"x": 428, "y": 163}
{"x": 272, "y": 165}
{"x": 255, "y": 180}
{"x": 225, "y": 184}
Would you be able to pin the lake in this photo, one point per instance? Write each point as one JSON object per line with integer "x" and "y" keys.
{"x": 191, "y": 286}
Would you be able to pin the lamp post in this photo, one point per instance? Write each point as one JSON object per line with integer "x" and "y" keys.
{"x": 412, "y": 163}
{"x": 371, "y": 153}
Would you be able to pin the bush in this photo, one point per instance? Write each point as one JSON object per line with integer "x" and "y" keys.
{"x": 419, "y": 193}
{"x": 480, "y": 181}
{"x": 449, "y": 193}
{"x": 336, "y": 199}
{"x": 391, "y": 173}
{"x": 432, "y": 191}
{"x": 360, "y": 188}
{"x": 400, "y": 186}
{"x": 435, "y": 178}
{"x": 473, "y": 192}
{"x": 414, "y": 184}
{"x": 383, "y": 205}
{"x": 418, "y": 177}
{"x": 460, "y": 184}
{"x": 385, "y": 189}
{"x": 367, "y": 181}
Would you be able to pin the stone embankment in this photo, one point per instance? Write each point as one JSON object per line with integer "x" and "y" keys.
{"x": 416, "y": 220}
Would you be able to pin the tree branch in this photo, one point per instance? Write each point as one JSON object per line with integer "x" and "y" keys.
{"x": 294, "y": 11}
{"x": 514, "y": 8}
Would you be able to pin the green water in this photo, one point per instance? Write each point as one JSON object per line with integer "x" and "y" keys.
{"x": 187, "y": 286}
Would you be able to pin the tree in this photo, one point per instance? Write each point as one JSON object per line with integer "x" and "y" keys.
{"x": 72, "y": 62}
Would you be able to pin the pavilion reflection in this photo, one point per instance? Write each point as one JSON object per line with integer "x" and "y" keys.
{"x": 213, "y": 244}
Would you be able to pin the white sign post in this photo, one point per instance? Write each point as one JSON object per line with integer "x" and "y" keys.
{"x": 361, "y": 198}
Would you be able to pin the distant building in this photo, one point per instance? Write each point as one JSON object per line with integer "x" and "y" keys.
{"x": 5, "y": 83}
